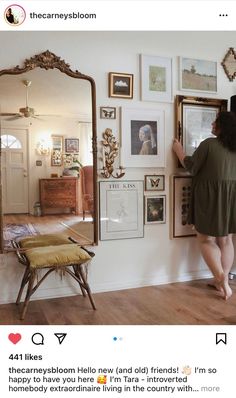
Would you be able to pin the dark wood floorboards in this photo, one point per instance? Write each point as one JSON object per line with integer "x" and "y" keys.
{"x": 188, "y": 303}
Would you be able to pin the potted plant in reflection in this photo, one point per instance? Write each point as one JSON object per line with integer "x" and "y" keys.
{"x": 72, "y": 165}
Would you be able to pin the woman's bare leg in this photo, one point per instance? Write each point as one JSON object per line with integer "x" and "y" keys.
{"x": 212, "y": 255}
{"x": 226, "y": 246}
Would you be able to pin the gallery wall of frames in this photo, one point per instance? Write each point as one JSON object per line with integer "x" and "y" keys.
{"x": 142, "y": 138}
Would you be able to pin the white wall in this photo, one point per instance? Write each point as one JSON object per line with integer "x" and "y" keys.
{"x": 156, "y": 258}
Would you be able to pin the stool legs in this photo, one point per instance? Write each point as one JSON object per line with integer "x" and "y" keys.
{"x": 30, "y": 290}
{"x": 86, "y": 285}
{"x": 30, "y": 276}
{"x": 24, "y": 281}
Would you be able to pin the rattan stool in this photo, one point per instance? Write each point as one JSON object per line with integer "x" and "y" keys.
{"x": 68, "y": 258}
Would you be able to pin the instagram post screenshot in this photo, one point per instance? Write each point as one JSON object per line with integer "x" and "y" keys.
{"x": 117, "y": 198}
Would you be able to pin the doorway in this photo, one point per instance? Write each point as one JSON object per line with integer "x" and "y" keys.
{"x": 14, "y": 171}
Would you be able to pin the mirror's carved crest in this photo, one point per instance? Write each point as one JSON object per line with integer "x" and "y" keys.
{"x": 46, "y": 60}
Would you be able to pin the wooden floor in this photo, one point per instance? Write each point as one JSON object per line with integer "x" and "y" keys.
{"x": 188, "y": 303}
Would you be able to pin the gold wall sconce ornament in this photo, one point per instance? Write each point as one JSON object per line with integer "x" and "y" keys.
{"x": 229, "y": 64}
{"x": 110, "y": 150}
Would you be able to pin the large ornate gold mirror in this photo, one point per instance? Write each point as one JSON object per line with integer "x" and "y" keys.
{"x": 48, "y": 151}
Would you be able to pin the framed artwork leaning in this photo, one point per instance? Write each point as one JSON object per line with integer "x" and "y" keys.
{"x": 121, "y": 209}
{"x": 143, "y": 138}
{"x": 194, "y": 117}
{"x": 181, "y": 206}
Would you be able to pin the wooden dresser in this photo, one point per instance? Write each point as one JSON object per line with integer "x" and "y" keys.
{"x": 59, "y": 193}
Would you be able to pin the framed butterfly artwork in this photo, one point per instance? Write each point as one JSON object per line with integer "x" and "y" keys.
{"x": 154, "y": 182}
{"x": 107, "y": 112}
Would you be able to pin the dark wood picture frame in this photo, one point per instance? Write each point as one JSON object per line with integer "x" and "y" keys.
{"x": 71, "y": 145}
{"x": 120, "y": 85}
{"x": 155, "y": 209}
{"x": 181, "y": 206}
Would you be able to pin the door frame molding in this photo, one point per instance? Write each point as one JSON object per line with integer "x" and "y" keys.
{"x": 3, "y": 129}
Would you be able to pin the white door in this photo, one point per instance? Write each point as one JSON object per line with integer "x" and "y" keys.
{"x": 14, "y": 169}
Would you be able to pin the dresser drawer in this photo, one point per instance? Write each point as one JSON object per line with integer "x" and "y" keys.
{"x": 59, "y": 193}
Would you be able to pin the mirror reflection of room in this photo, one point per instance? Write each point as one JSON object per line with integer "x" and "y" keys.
{"x": 46, "y": 143}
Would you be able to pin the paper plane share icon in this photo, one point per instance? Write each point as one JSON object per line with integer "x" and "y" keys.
{"x": 61, "y": 337}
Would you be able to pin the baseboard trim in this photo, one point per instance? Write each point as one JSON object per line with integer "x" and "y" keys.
{"x": 66, "y": 291}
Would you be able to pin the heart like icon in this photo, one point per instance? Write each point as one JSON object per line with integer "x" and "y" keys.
{"x": 14, "y": 337}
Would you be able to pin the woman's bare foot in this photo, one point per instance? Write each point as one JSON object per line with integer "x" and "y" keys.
{"x": 216, "y": 285}
{"x": 226, "y": 289}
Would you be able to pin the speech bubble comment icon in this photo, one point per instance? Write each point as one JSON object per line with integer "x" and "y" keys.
{"x": 37, "y": 339}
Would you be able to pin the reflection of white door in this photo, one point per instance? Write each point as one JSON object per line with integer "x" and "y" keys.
{"x": 14, "y": 168}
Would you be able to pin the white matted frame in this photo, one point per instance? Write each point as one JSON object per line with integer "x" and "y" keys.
{"x": 155, "y": 209}
{"x": 136, "y": 150}
{"x": 198, "y": 75}
{"x": 181, "y": 207}
{"x": 156, "y": 78}
{"x": 121, "y": 209}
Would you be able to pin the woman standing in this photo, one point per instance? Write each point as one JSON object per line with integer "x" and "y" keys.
{"x": 213, "y": 207}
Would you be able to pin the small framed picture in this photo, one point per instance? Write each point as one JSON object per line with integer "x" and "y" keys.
{"x": 56, "y": 153}
{"x": 155, "y": 209}
{"x": 154, "y": 182}
{"x": 107, "y": 112}
{"x": 71, "y": 145}
{"x": 121, "y": 85}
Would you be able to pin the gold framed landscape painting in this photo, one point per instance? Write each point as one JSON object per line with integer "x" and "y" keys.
{"x": 198, "y": 75}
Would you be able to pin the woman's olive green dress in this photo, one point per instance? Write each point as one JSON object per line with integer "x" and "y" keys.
{"x": 213, "y": 201}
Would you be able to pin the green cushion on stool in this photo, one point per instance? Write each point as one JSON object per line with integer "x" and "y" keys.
{"x": 56, "y": 256}
{"x": 43, "y": 240}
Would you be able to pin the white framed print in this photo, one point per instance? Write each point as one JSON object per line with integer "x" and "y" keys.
{"x": 121, "y": 209}
{"x": 198, "y": 75}
{"x": 142, "y": 138}
{"x": 156, "y": 78}
{"x": 155, "y": 209}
